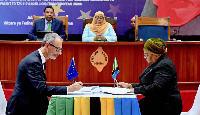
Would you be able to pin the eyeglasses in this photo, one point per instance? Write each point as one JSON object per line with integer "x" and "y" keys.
{"x": 146, "y": 55}
{"x": 99, "y": 18}
{"x": 57, "y": 48}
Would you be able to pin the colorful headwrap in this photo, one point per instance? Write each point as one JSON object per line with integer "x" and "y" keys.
{"x": 155, "y": 46}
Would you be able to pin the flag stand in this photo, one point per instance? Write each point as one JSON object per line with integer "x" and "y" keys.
{"x": 73, "y": 80}
{"x": 115, "y": 71}
{"x": 114, "y": 83}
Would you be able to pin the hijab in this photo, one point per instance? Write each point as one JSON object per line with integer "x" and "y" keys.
{"x": 98, "y": 28}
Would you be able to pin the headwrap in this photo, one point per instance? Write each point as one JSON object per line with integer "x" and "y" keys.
{"x": 98, "y": 28}
{"x": 133, "y": 18}
{"x": 155, "y": 46}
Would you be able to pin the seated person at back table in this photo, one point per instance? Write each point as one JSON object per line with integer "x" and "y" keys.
{"x": 99, "y": 29}
{"x": 130, "y": 34}
{"x": 158, "y": 82}
{"x": 56, "y": 25}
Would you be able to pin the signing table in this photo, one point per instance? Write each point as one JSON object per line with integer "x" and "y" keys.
{"x": 94, "y": 104}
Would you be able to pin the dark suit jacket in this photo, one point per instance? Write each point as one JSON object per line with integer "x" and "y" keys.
{"x": 158, "y": 83}
{"x": 129, "y": 35}
{"x": 30, "y": 93}
{"x": 39, "y": 25}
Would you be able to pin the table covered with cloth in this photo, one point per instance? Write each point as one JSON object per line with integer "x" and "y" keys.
{"x": 101, "y": 104}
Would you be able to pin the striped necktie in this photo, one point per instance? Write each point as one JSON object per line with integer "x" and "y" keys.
{"x": 49, "y": 26}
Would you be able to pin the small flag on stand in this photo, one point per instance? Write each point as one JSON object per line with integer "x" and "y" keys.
{"x": 72, "y": 72}
{"x": 115, "y": 70}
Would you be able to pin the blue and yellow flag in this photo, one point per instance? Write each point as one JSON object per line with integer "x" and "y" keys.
{"x": 72, "y": 72}
{"x": 115, "y": 70}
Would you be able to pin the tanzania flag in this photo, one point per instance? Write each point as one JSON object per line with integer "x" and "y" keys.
{"x": 72, "y": 72}
{"x": 115, "y": 70}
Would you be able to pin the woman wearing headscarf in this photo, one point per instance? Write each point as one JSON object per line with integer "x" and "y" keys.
{"x": 130, "y": 34}
{"x": 158, "y": 82}
{"x": 99, "y": 30}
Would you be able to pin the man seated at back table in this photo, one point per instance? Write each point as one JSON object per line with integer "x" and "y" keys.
{"x": 47, "y": 24}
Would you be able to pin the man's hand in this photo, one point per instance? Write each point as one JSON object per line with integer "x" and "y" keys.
{"x": 74, "y": 87}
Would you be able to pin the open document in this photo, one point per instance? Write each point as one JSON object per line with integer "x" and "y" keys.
{"x": 86, "y": 90}
{"x": 96, "y": 89}
{"x": 116, "y": 90}
{"x": 91, "y": 89}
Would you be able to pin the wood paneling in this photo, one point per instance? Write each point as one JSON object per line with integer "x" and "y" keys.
{"x": 185, "y": 56}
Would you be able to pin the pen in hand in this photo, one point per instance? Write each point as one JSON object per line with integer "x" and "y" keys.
{"x": 122, "y": 85}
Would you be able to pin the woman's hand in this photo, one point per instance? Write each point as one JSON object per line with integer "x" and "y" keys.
{"x": 103, "y": 38}
{"x": 99, "y": 36}
{"x": 132, "y": 90}
{"x": 124, "y": 85}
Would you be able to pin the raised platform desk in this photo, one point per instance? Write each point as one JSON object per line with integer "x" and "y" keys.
{"x": 185, "y": 55}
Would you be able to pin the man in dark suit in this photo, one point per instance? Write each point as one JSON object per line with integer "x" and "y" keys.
{"x": 30, "y": 95}
{"x": 42, "y": 24}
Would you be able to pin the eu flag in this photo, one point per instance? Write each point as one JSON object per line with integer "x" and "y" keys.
{"x": 72, "y": 72}
{"x": 115, "y": 70}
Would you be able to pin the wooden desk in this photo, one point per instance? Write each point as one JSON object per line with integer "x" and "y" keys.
{"x": 185, "y": 55}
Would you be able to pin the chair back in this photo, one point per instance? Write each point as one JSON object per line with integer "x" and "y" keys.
{"x": 152, "y": 27}
{"x": 112, "y": 21}
{"x": 63, "y": 18}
